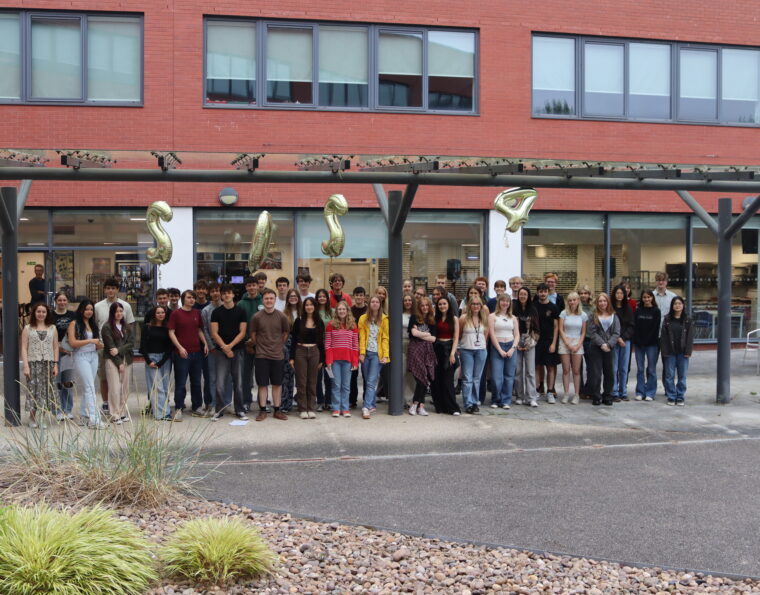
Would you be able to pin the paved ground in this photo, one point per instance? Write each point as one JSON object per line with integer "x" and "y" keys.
{"x": 639, "y": 482}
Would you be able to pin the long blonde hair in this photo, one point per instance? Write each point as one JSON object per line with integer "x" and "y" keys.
{"x": 350, "y": 321}
{"x": 608, "y": 311}
{"x": 468, "y": 313}
{"x": 578, "y": 308}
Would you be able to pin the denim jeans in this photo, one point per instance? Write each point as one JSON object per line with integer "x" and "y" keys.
{"x": 191, "y": 366}
{"x": 648, "y": 387}
{"x": 86, "y": 366}
{"x": 212, "y": 382}
{"x": 503, "y": 374}
{"x": 371, "y": 374}
{"x": 65, "y": 393}
{"x": 473, "y": 361}
{"x": 676, "y": 364}
{"x": 341, "y": 384}
{"x": 224, "y": 367}
{"x": 157, "y": 381}
{"x": 620, "y": 360}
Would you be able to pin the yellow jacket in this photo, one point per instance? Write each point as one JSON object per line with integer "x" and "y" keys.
{"x": 383, "y": 347}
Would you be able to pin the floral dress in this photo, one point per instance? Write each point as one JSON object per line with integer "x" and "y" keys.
{"x": 41, "y": 395}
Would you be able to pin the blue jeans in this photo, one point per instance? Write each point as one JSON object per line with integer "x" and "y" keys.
{"x": 225, "y": 367}
{"x": 503, "y": 374}
{"x": 341, "y": 384}
{"x": 676, "y": 364}
{"x": 212, "y": 381}
{"x": 193, "y": 367}
{"x": 86, "y": 366}
{"x": 473, "y": 361}
{"x": 371, "y": 374}
{"x": 65, "y": 393}
{"x": 620, "y": 360}
{"x": 648, "y": 387}
{"x": 157, "y": 381}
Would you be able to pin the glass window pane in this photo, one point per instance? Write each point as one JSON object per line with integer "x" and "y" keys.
{"x": 10, "y": 57}
{"x": 343, "y": 66}
{"x": 451, "y": 70}
{"x": 289, "y": 65}
{"x": 400, "y": 69}
{"x": 697, "y": 97}
{"x": 230, "y": 62}
{"x": 740, "y": 86}
{"x": 553, "y": 75}
{"x": 649, "y": 80}
{"x": 114, "y": 69}
{"x": 33, "y": 228}
{"x": 105, "y": 228}
{"x": 603, "y": 79}
{"x": 56, "y": 58}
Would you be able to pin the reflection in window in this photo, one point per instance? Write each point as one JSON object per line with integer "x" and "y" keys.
{"x": 56, "y": 58}
{"x": 289, "y": 65}
{"x": 400, "y": 69}
{"x": 231, "y": 62}
{"x": 649, "y": 80}
{"x": 113, "y": 59}
{"x": 553, "y": 75}
{"x": 740, "y": 86}
{"x": 451, "y": 70}
{"x": 10, "y": 57}
{"x": 603, "y": 83}
{"x": 343, "y": 66}
{"x": 697, "y": 98}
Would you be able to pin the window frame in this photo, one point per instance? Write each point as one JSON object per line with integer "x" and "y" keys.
{"x": 373, "y": 33}
{"x": 25, "y": 67}
{"x": 674, "y": 68}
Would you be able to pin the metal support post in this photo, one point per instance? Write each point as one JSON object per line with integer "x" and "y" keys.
{"x": 11, "y": 387}
{"x": 689, "y": 266}
{"x": 607, "y": 255}
{"x": 395, "y": 274}
{"x": 723, "y": 394}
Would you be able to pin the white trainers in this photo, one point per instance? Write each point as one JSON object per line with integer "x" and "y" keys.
{"x": 59, "y": 417}
{"x": 505, "y": 406}
{"x": 648, "y": 399}
{"x": 365, "y": 413}
{"x": 494, "y": 406}
{"x": 421, "y": 410}
{"x": 575, "y": 400}
{"x": 533, "y": 403}
{"x": 518, "y": 401}
{"x": 304, "y": 415}
{"x": 312, "y": 415}
{"x": 550, "y": 399}
{"x": 639, "y": 398}
{"x": 413, "y": 409}
{"x": 565, "y": 399}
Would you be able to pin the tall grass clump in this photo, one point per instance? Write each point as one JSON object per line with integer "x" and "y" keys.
{"x": 48, "y": 551}
{"x": 216, "y": 551}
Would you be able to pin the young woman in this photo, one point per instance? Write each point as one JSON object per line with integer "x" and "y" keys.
{"x": 572, "y": 332}
{"x": 324, "y": 384}
{"x": 525, "y": 362}
{"x": 603, "y": 332}
{"x": 62, "y": 317}
{"x": 472, "y": 291}
{"x": 307, "y": 355}
{"x": 156, "y": 348}
{"x": 118, "y": 342}
{"x": 341, "y": 356}
{"x": 587, "y": 305}
{"x": 382, "y": 293}
{"x": 39, "y": 354}
{"x": 374, "y": 351}
{"x": 445, "y": 349}
{"x": 473, "y": 341}
{"x": 677, "y": 343}
{"x": 646, "y": 340}
{"x": 407, "y": 311}
{"x": 622, "y": 353}
{"x": 292, "y": 305}
{"x": 292, "y": 311}
{"x": 84, "y": 337}
{"x": 503, "y": 329}
{"x": 629, "y": 295}
{"x": 421, "y": 356}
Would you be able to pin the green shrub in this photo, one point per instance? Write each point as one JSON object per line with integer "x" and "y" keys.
{"x": 49, "y": 551}
{"x": 216, "y": 551}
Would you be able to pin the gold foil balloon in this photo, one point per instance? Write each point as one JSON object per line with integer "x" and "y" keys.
{"x": 157, "y": 212}
{"x": 514, "y": 204}
{"x": 336, "y": 206}
{"x": 262, "y": 234}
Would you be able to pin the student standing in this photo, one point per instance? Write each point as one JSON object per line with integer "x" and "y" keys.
{"x": 307, "y": 356}
{"x": 228, "y": 332}
{"x": 292, "y": 311}
{"x": 358, "y": 310}
{"x": 282, "y": 284}
{"x": 572, "y": 333}
{"x": 341, "y": 356}
{"x": 546, "y": 348}
{"x": 499, "y": 287}
{"x": 421, "y": 356}
{"x": 62, "y": 317}
{"x": 473, "y": 341}
{"x": 676, "y": 343}
{"x": 250, "y": 303}
{"x": 37, "y": 292}
{"x": 503, "y": 329}
{"x": 646, "y": 340}
{"x": 215, "y": 301}
{"x": 324, "y": 383}
{"x": 603, "y": 331}
{"x": 374, "y": 351}
{"x": 118, "y": 342}
{"x": 407, "y": 311}
{"x": 84, "y": 336}
{"x": 269, "y": 330}
{"x": 525, "y": 375}
{"x": 445, "y": 348}
{"x": 337, "y": 281}
{"x": 39, "y": 354}
{"x": 622, "y": 354}
{"x": 156, "y": 347}
{"x": 303, "y": 281}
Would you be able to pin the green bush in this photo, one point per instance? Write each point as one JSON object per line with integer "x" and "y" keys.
{"x": 216, "y": 551}
{"x": 48, "y": 551}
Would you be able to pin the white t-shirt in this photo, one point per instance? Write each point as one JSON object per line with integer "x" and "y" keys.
{"x": 573, "y": 323}
{"x": 279, "y": 304}
{"x": 303, "y": 297}
{"x": 103, "y": 308}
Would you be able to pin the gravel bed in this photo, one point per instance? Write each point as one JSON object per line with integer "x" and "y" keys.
{"x": 318, "y": 558}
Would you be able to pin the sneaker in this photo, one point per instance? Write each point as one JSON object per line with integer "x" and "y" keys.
{"x": 198, "y": 413}
{"x": 261, "y": 416}
{"x": 336, "y": 413}
{"x": 639, "y": 398}
{"x": 616, "y": 399}
{"x": 372, "y": 410}
{"x": 365, "y": 413}
{"x": 118, "y": 422}
{"x": 476, "y": 409}
{"x": 69, "y": 416}
{"x": 280, "y": 415}
{"x": 565, "y": 399}
{"x": 533, "y": 403}
{"x": 678, "y": 404}
{"x": 648, "y": 399}
{"x": 242, "y": 416}
{"x": 494, "y": 406}
{"x": 413, "y": 409}
{"x": 518, "y": 401}
{"x": 312, "y": 415}
{"x": 165, "y": 418}
{"x": 217, "y": 416}
{"x": 97, "y": 426}
{"x": 104, "y": 406}
{"x": 177, "y": 415}
{"x": 550, "y": 398}
{"x": 671, "y": 402}
{"x": 304, "y": 415}
{"x": 505, "y": 406}
{"x": 624, "y": 398}
{"x": 34, "y": 425}
{"x": 84, "y": 421}
{"x": 456, "y": 413}
{"x": 125, "y": 418}
{"x": 470, "y": 410}
{"x": 320, "y": 408}
{"x": 574, "y": 400}
{"x": 421, "y": 410}
{"x": 346, "y": 413}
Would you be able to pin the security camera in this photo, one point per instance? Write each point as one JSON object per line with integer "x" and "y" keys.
{"x": 90, "y": 220}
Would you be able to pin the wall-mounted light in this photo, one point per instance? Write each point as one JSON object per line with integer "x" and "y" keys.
{"x": 228, "y": 197}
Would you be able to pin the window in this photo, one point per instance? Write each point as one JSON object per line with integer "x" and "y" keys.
{"x": 645, "y": 80}
{"x": 70, "y": 58}
{"x": 332, "y": 66}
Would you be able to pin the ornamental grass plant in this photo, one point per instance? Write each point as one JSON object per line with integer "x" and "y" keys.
{"x": 216, "y": 551}
{"x": 49, "y": 551}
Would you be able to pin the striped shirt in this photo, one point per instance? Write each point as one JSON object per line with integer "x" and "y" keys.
{"x": 341, "y": 345}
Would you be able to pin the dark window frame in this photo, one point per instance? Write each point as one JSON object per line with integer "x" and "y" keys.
{"x": 25, "y": 40}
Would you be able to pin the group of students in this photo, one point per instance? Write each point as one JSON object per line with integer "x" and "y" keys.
{"x": 305, "y": 349}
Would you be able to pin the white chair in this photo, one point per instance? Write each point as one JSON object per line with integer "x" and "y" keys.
{"x": 753, "y": 344}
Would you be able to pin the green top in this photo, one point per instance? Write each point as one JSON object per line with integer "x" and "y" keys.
{"x": 251, "y": 305}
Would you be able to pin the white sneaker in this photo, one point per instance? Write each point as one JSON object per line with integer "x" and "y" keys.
{"x": 648, "y": 399}
{"x": 312, "y": 415}
{"x": 118, "y": 421}
{"x": 565, "y": 399}
{"x": 69, "y": 416}
{"x": 518, "y": 401}
{"x": 304, "y": 415}
{"x": 33, "y": 425}
{"x": 639, "y": 398}
{"x": 505, "y": 406}
{"x": 533, "y": 403}
{"x": 456, "y": 413}
{"x": 413, "y": 409}
{"x": 421, "y": 410}
{"x": 494, "y": 406}
{"x": 575, "y": 400}
{"x": 550, "y": 399}
{"x": 365, "y": 413}
{"x": 59, "y": 417}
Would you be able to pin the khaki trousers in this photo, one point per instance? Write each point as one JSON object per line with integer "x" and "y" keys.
{"x": 307, "y": 367}
{"x": 118, "y": 389}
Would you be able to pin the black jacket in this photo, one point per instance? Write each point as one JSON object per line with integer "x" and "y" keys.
{"x": 669, "y": 341}
{"x": 625, "y": 316}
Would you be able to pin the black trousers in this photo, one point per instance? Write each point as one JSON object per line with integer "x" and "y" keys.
{"x": 444, "y": 399}
{"x": 600, "y": 364}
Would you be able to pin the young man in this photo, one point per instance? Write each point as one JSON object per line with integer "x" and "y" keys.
{"x": 186, "y": 332}
{"x": 551, "y": 281}
{"x": 482, "y": 284}
{"x": 546, "y": 347}
{"x": 337, "y": 281}
{"x": 662, "y": 296}
{"x": 250, "y": 303}
{"x": 269, "y": 330}
{"x": 499, "y": 288}
{"x": 261, "y": 281}
{"x": 102, "y": 310}
{"x": 201, "y": 291}
{"x": 174, "y": 295}
{"x": 303, "y": 282}
{"x": 214, "y": 303}
{"x": 440, "y": 281}
{"x": 359, "y": 308}
{"x": 228, "y": 330}
{"x": 162, "y": 297}
{"x": 515, "y": 283}
{"x": 282, "y": 284}
{"x": 37, "y": 291}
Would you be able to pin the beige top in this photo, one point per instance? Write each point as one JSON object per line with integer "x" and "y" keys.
{"x": 40, "y": 347}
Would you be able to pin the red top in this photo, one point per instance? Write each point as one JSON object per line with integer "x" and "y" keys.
{"x": 445, "y": 330}
{"x": 186, "y": 324}
{"x": 632, "y": 304}
{"x": 341, "y": 345}
{"x": 344, "y": 297}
